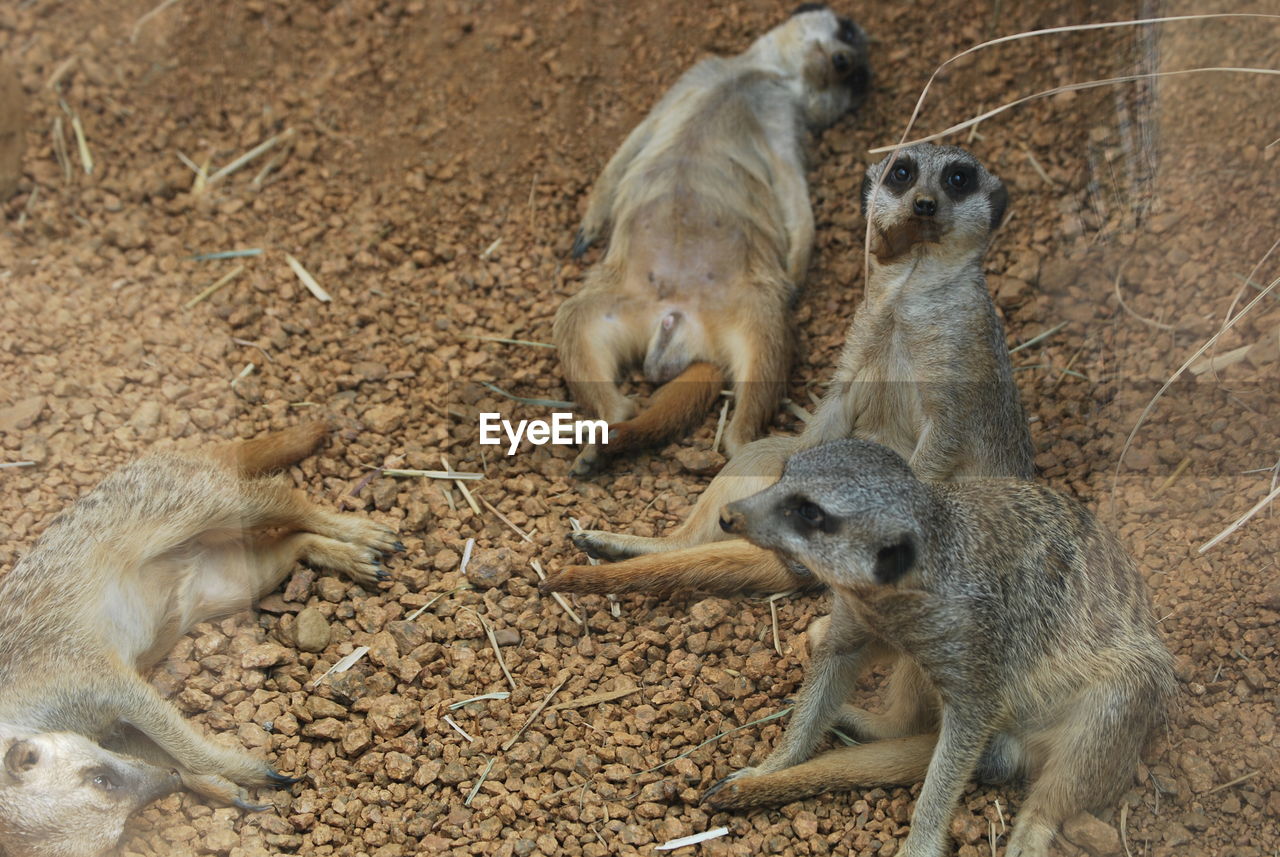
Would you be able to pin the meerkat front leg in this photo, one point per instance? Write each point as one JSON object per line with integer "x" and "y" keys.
{"x": 838, "y": 660}
{"x": 964, "y": 735}
{"x": 605, "y": 189}
{"x": 797, "y": 219}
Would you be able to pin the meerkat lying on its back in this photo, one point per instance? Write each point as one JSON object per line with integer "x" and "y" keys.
{"x": 163, "y": 543}
{"x": 1022, "y": 633}
{"x": 711, "y": 236}
{"x": 925, "y": 370}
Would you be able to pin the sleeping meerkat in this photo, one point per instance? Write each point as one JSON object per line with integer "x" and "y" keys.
{"x": 924, "y": 370}
{"x": 161, "y": 544}
{"x": 1022, "y": 633}
{"x": 710, "y": 236}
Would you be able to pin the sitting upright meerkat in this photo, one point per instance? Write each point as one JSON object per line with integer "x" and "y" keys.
{"x": 925, "y": 370}
{"x": 711, "y": 232}
{"x": 163, "y": 543}
{"x": 1021, "y": 630}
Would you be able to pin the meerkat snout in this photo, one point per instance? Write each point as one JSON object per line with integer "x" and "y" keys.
{"x": 730, "y": 521}
{"x": 925, "y": 206}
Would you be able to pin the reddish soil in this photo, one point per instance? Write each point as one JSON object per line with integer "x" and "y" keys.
{"x": 438, "y": 159}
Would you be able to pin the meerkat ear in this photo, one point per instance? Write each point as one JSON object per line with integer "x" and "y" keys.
{"x": 895, "y": 560}
{"x": 867, "y": 184}
{"x": 21, "y": 757}
{"x": 999, "y": 202}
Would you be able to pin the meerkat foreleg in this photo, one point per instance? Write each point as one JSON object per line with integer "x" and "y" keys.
{"x": 604, "y": 192}
{"x": 839, "y": 658}
{"x": 797, "y": 219}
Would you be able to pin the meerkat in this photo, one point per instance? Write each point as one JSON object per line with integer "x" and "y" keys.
{"x": 924, "y": 370}
{"x": 1021, "y": 630}
{"x": 163, "y": 543}
{"x": 710, "y": 227}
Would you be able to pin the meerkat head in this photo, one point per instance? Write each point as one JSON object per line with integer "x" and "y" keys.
{"x": 62, "y": 795}
{"x": 825, "y": 54}
{"x": 850, "y": 511}
{"x": 931, "y": 199}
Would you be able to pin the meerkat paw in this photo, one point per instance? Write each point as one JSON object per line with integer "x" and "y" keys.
{"x": 589, "y": 460}
{"x": 728, "y": 792}
{"x": 573, "y": 578}
{"x": 599, "y": 544}
{"x": 582, "y": 240}
{"x": 360, "y": 562}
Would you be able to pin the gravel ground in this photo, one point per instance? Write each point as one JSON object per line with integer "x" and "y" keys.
{"x": 431, "y": 161}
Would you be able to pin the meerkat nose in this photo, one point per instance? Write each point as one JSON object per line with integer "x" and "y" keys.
{"x": 925, "y": 206}
{"x": 730, "y": 521}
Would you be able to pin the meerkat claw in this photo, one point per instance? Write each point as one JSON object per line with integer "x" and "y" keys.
{"x": 280, "y": 779}
{"x": 580, "y": 244}
{"x": 241, "y": 803}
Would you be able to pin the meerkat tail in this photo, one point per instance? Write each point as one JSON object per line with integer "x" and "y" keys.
{"x": 273, "y": 451}
{"x": 675, "y": 409}
{"x": 720, "y": 568}
{"x": 892, "y": 762}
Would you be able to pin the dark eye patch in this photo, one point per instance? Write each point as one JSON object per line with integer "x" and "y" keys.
{"x": 959, "y": 180}
{"x": 895, "y": 560}
{"x": 849, "y": 33}
{"x": 900, "y": 176}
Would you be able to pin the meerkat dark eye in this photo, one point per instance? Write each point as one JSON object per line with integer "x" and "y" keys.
{"x": 811, "y": 514}
{"x": 105, "y": 782}
{"x": 959, "y": 179}
{"x": 900, "y": 174}
{"x": 840, "y": 62}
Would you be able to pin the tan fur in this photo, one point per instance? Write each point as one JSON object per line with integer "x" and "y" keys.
{"x": 924, "y": 370}
{"x": 710, "y": 232}
{"x": 1020, "y": 632}
{"x": 165, "y": 542}
{"x": 675, "y": 408}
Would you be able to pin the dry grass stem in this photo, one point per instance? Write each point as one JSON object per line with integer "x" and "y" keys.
{"x": 248, "y": 156}
{"x": 307, "y": 280}
{"x": 1237, "y": 781}
{"x": 244, "y": 373}
{"x": 343, "y": 664}
{"x": 501, "y": 517}
{"x": 534, "y": 716}
{"x": 82, "y": 145}
{"x": 208, "y": 291}
{"x": 506, "y": 341}
{"x": 137, "y": 25}
{"x": 1173, "y": 477}
{"x": 434, "y": 474}
{"x": 1241, "y": 521}
{"x": 1218, "y": 362}
{"x": 491, "y": 249}
{"x": 497, "y": 650}
{"x": 462, "y": 487}
{"x": 60, "y": 148}
{"x": 60, "y": 72}
{"x": 7, "y": 464}
{"x": 1159, "y": 325}
{"x": 536, "y": 403}
{"x": 458, "y": 729}
{"x": 724, "y": 412}
{"x": 684, "y": 841}
{"x": 497, "y": 694}
{"x": 466, "y": 556}
{"x": 594, "y": 699}
{"x": 1035, "y": 165}
{"x": 777, "y": 714}
{"x": 475, "y": 790}
{"x": 1038, "y": 338}
{"x": 423, "y": 609}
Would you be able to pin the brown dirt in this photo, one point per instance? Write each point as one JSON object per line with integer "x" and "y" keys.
{"x": 440, "y": 155}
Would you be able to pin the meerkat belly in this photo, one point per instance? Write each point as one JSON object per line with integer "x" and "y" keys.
{"x": 688, "y": 267}
{"x": 891, "y": 410}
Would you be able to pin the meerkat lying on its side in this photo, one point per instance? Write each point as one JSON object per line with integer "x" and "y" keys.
{"x": 925, "y": 370}
{"x": 163, "y": 543}
{"x": 1022, "y": 634}
{"x": 711, "y": 232}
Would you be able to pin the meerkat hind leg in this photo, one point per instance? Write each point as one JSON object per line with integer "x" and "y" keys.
{"x": 1088, "y": 757}
{"x": 725, "y": 568}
